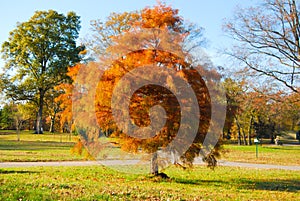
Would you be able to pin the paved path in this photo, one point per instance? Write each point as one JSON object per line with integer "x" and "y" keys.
{"x": 132, "y": 162}
{"x": 259, "y": 166}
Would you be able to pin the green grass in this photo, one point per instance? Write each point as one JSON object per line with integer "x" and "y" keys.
{"x": 32, "y": 147}
{"x": 29, "y": 136}
{"x": 267, "y": 154}
{"x": 56, "y": 147}
{"x": 100, "y": 183}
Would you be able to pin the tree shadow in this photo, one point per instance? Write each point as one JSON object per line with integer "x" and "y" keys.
{"x": 34, "y": 145}
{"x": 198, "y": 181}
{"x": 7, "y": 133}
{"x": 279, "y": 185}
{"x": 17, "y": 171}
{"x": 289, "y": 185}
{"x": 277, "y": 147}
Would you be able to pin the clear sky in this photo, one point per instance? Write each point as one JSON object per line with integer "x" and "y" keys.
{"x": 208, "y": 14}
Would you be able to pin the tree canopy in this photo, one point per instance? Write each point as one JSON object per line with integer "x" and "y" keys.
{"x": 37, "y": 54}
{"x": 160, "y": 115}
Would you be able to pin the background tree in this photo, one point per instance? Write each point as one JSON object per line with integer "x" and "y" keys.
{"x": 15, "y": 116}
{"x": 37, "y": 55}
{"x": 289, "y": 111}
{"x": 21, "y": 114}
{"x": 52, "y": 109}
{"x": 259, "y": 113}
{"x": 268, "y": 40}
{"x": 6, "y": 118}
{"x": 103, "y": 31}
{"x": 64, "y": 100}
{"x": 233, "y": 91}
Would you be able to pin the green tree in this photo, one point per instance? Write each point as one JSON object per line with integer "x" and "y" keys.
{"x": 14, "y": 116}
{"x": 20, "y": 114}
{"x": 6, "y": 118}
{"x": 103, "y": 31}
{"x": 37, "y": 55}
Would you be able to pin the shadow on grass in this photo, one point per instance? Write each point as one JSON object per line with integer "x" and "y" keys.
{"x": 199, "y": 181}
{"x": 17, "y": 172}
{"x": 7, "y": 133}
{"x": 282, "y": 147}
{"x": 289, "y": 185}
{"x": 279, "y": 185}
{"x": 34, "y": 145}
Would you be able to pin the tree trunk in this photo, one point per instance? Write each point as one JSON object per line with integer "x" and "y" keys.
{"x": 244, "y": 137}
{"x": 250, "y": 131}
{"x": 39, "y": 119}
{"x": 18, "y": 132}
{"x": 228, "y": 137}
{"x": 19, "y": 124}
{"x": 52, "y": 130}
{"x": 293, "y": 124}
{"x": 272, "y": 132}
{"x": 239, "y": 131}
{"x": 154, "y": 164}
{"x": 239, "y": 137}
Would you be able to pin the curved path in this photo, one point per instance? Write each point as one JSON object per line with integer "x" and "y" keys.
{"x": 259, "y": 166}
{"x": 132, "y": 162}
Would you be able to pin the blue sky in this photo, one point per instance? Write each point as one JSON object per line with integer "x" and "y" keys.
{"x": 207, "y": 14}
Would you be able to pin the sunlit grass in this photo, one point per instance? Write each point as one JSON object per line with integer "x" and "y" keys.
{"x": 267, "y": 154}
{"x": 29, "y": 136}
{"x": 33, "y": 147}
{"x": 101, "y": 183}
{"x": 56, "y": 147}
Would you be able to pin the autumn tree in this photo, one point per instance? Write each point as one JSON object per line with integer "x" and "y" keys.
{"x": 52, "y": 108}
{"x": 259, "y": 113}
{"x": 64, "y": 100}
{"x": 240, "y": 114}
{"x": 267, "y": 38}
{"x": 290, "y": 111}
{"x": 284, "y": 111}
{"x": 37, "y": 55}
{"x": 149, "y": 42}
{"x": 233, "y": 92}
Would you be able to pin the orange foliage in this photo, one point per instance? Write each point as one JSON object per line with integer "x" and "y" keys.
{"x": 160, "y": 16}
{"x": 65, "y": 99}
{"x": 166, "y": 19}
{"x": 148, "y": 96}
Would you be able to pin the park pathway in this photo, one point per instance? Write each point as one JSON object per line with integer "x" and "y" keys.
{"x": 198, "y": 161}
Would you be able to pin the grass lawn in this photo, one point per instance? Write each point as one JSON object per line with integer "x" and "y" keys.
{"x": 33, "y": 147}
{"x": 267, "y": 154}
{"x": 56, "y": 147}
{"x": 101, "y": 183}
